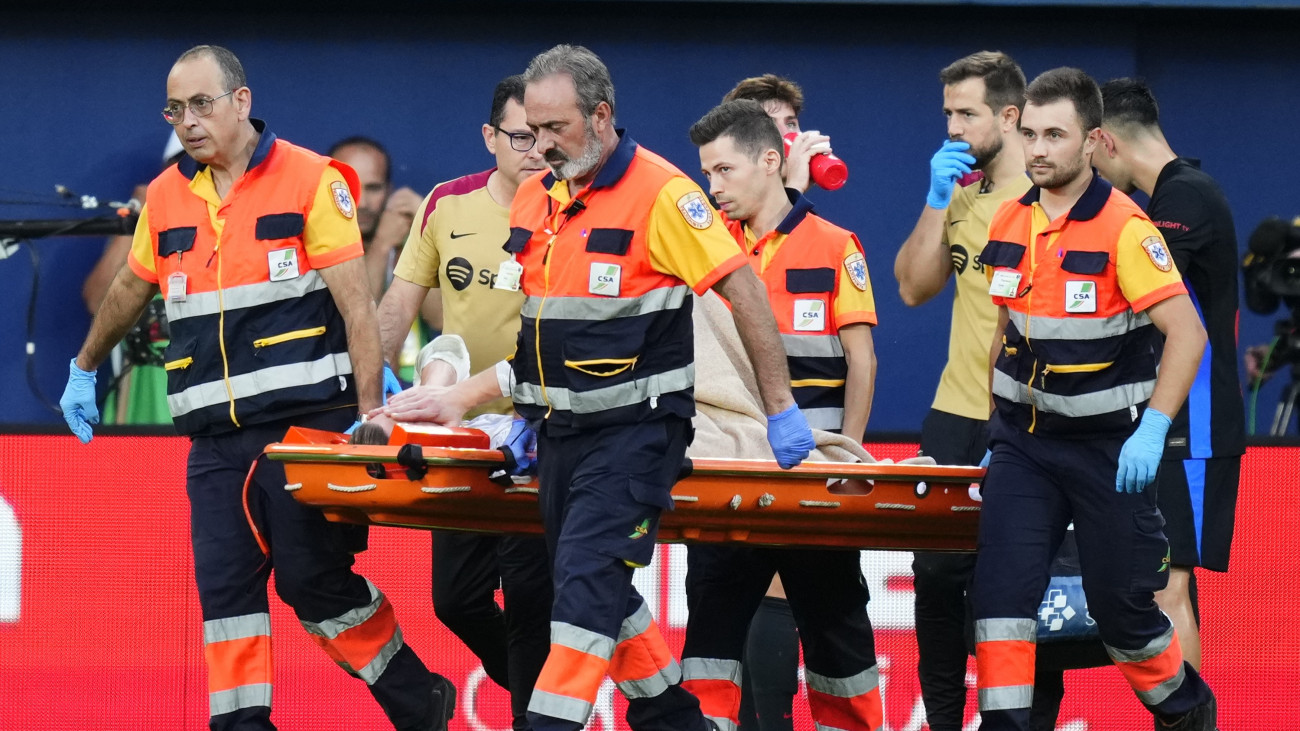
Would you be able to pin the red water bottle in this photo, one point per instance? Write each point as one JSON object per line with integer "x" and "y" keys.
{"x": 825, "y": 169}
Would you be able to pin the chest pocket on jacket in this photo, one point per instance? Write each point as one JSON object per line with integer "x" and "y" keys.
{"x": 276, "y": 226}
{"x": 518, "y": 239}
{"x": 609, "y": 241}
{"x": 176, "y": 240}
{"x": 1085, "y": 262}
{"x": 810, "y": 281}
{"x": 1002, "y": 254}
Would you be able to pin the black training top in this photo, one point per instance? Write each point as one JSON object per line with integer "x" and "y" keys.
{"x": 1191, "y": 211}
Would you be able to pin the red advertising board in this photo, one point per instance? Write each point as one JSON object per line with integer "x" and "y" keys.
{"x": 100, "y": 625}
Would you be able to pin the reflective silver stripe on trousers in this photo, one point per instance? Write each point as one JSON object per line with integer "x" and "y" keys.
{"x": 236, "y": 628}
{"x": 1078, "y": 327}
{"x": 1084, "y": 404}
{"x": 610, "y": 397}
{"x": 812, "y": 346}
{"x": 1008, "y": 698}
{"x": 1003, "y": 629}
{"x": 198, "y": 304}
{"x": 582, "y": 640}
{"x": 654, "y": 685}
{"x": 376, "y": 667}
{"x": 1152, "y": 649}
{"x": 559, "y": 706}
{"x": 850, "y": 687}
{"x": 635, "y": 623}
{"x": 710, "y": 668}
{"x": 242, "y": 696}
{"x": 606, "y": 308}
{"x": 824, "y": 419}
{"x": 258, "y": 382}
{"x": 331, "y": 628}
{"x": 1159, "y": 693}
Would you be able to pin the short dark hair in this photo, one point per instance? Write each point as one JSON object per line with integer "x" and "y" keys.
{"x": 363, "y": 141}
{"x": 590, "y": 76}
{"x": 511, "y": 87}
{"x": 1004, "y": 82}
{"x": 232, "y": 71}
{"x": 744, "y": 121}
{"x": 768, "y": 88}
{"x": 1129, "y": 103}
{"x": 1072, "y": 84}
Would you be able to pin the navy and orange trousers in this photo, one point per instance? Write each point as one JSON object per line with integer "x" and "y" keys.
{"x": 312, "y": 559}
{"x": 1035, "y": 486}
{"x": 602, "y": 492}
{"x": 828, "y": 597}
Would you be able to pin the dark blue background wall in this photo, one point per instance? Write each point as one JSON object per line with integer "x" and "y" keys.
{"x": 80, "y": 94}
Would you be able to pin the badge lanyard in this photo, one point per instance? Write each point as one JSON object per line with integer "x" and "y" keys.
{"x": 511, "y": 271}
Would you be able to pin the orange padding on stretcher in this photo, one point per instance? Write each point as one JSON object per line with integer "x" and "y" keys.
{"x": 886, "y": 506}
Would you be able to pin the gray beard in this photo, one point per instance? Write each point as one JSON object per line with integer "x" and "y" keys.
{"x": 583, "y": 164}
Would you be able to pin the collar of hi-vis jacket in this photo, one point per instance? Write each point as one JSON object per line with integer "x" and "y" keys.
{"x": 189, "y": 167}
{"x": 1089, "y": 204}
{"x": 612, "y": 171}
{"x": 800, "y": 208}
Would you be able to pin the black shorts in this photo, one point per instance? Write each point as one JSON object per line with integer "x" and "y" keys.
{"x": 1198, "y": 498}
{"x": 954, "y": 440}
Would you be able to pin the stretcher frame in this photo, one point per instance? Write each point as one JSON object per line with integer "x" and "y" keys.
{"x": 444, "y": 483}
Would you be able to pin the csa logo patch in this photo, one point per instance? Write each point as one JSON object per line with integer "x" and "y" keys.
{"x": 809, "y": 316}
{"x": 342, "y": 199}
{"x": 856, "y": 266}
{"x": 1157, "y": 253}
{"x": 640, "y": 531}
{"x": 1081, "y": 296}
{"x": 697, "y": 211}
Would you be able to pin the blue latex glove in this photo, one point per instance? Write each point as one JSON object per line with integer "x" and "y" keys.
{"x": 392, "y": 386}
{"x": 988, "y": 454}
{"x": 78, "y": 402}
{"x": 790, "y": 437}
{"x": 1140, "y": 456}
{"x": 948, "y": 164}
{"x": 522, "y": 445}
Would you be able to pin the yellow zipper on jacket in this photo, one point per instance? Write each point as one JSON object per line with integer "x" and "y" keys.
{"x": 221, "y": 335}
{"x": 537, "y": 326}
{"x": 292, "y": 335}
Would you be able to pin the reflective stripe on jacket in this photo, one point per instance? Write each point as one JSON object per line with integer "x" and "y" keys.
{"x": 1075, "y": 360}
{"x": 248, "y": 345}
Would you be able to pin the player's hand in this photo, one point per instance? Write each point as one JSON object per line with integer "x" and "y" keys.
{"x": 521, "y": 448}
{"x": 949, "y": 163}
{"x": 432, "y": 404}
{"x": 803, "y": 148}
{"x": 1139, "y": 458}
{"x": 395, "y": 220}
{"x": 790, "y": 437}
{"x": 78, "y": 402}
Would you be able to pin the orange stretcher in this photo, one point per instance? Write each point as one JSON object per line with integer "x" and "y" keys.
{"x": 440, "y": 477}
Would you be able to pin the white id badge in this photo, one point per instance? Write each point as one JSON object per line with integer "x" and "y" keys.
{"x": 1005, "y": 283}
{"x": 176, "y": 284}
{"x": 508, "y": 276}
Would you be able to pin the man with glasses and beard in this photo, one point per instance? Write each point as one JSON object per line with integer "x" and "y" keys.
{"x": 607, "y": 248}
{"x": 453, "y": 254}
{"x": 983, "y": 95}
{"x": 1085, "y": 288}
{"x": 254, "y": 244}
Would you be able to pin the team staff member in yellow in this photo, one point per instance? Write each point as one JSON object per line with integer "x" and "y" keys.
{"x": 983, "y": 94}
{"x": 611, "y": 243}
{"x": 1085, "y": 288}
{"x": 255, "y": 247}
{"x": 816, "y": 278}
{"x": 455, "y": 250}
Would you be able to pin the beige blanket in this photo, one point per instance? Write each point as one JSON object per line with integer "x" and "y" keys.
{"x": 730, "y": 421}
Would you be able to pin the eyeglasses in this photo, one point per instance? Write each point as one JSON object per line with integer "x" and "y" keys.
{"x": 519, "y": 141}
{"x": 174, "y": 113}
